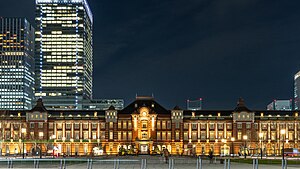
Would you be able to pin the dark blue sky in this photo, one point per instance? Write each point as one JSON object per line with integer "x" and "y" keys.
{"x": 215, "y": 49}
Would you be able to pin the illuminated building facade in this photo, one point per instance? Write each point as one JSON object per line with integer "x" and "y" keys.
{"x": 64, "y": 53}
{"x": 297, "y": 91}
{"x": 146, "y": 127}
{"x": 16, "y": 64}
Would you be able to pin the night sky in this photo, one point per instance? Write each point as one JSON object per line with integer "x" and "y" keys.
{"x": 218, "y": 50}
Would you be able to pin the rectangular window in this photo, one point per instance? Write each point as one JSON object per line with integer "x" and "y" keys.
{"x": 203, "y": 126}
{"x": 94, "y": 135}
{"x": 68, "y": 126}
{"x": 163, "y": 125}
{"x": 273, "y": 135}
{"x": 194, "y": 136}
{"x": 211, "y": 135}
{"x": 124, "y": 136}
{"x": 248, "y": 125}
{"x": 68, "y": 135}
{"x": 111, "y": 135}
{"x": 76, "y": 126}
{"x": 59, "y": 135}
{"x": 239, "y": 126}
{"x": 169, "y": 137}
{"x": 239, "y": 135}
{"x": 50, "y": 125}
{"x": 32, "y": 125}
{"x": 211, "y": 126}
{"x": 119, "y": 125}
{"x": 158, "y": 136}
{"x": 194, "y": 126}
{"x": 94, "y": 125}
{"x": 85, "y": 135}
{"x": 158, "y": 125}
{"x": 185, "y": 136}
{"x": 129, "y": 125}
{"x": 119, "y": 135}
{"x": 203, "y": 135}
{"x": 177, "y": 135}
{"x": 111, "y": 125}
{"x": 169, "y": 125}
{"x": 76, "y": 135}
{"x": 124, "y": 125}
{"x": 102, "y": 135}
{"x": 229, "y": 126}
{"x": 102, "y": 125}
{"x": 85, "y": 125}
{"x": 163, "y": 135}
{"x": 177, "y": 125}
{"x": 186, "y": 126}
{"x": 59, "y": 125}
{"x": 220, "y": 134}
{"x": 129, "y": 135}
{"x": 41, "y": 125}
{"x": 220, "y": 126}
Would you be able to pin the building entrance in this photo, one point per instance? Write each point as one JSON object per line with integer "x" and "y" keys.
{"x": 144, "y": 149}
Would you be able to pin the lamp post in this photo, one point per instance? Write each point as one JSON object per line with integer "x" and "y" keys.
{"x": 23, "y": 131}
{"x": 282, "y": 132}
{"x": 261, "y": 135}
{"x": 245, "y": 137}
{"x": 232, "y": 140}
{"x": 224, "y": 142}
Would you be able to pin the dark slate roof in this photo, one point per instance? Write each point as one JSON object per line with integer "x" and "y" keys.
{"x": 207, "y": 112}
{"x": 177, "y": 108}
{"x": 241, "y": 106}
{"x": 144, "y": 102}
{"x": 55, "y": 113}
{"x": 39, "y": 106}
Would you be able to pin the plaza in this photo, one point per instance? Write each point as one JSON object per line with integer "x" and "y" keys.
{"x": 131, "y": 162}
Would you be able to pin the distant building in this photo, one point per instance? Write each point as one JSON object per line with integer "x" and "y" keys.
{"x": 64, "y": 53}
{"x": 16, "y": 64}
{"x": 297, "y": 91}
{"x": 103, "y": 104}
{"x": 194, "y": 104}
{"x": 280, "y": 105}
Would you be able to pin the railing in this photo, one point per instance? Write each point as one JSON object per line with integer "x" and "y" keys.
{"x": 142, "y": 162}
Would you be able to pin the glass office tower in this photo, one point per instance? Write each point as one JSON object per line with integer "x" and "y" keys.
{"x": 64, "y": 53}
{"x": 16, "y": 64}
{"x": 297, "y": 91}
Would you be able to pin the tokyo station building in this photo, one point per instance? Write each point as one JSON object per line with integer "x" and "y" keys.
{"x": 147, "y": 127}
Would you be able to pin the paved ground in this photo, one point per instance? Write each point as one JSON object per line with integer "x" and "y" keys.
{"x": 153, "y": 162}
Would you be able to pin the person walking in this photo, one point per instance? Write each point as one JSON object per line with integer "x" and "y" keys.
{"x": 166, "y": 154}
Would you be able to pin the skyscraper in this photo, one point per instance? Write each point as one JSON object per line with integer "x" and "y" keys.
{"x": 280, "y": 105}
{"x": 16, "y": 64}
{"x": 64, "y": 53}
{"x": 297, "y": 91}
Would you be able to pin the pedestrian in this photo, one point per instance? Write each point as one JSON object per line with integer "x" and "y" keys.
{"x": 166, "y": 154}
{"x": 210, "y": 156}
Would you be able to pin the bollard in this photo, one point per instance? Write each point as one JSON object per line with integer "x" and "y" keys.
{"x": 171, "y": 163}
{"x": 228, "y": 165}
{"x": 285, "y": 162}
{"x": 255, "y": 164}
{"x": 199, "y": 163}
{"x": 225, "y": 163}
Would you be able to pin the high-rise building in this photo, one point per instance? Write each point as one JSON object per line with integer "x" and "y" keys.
{"x": 64, "y": 53}
{"x": 297, "y": 91}
{"x": 103, "y": 104}
{"x": 16, "y": 63}
{"x": 280, "y": 105}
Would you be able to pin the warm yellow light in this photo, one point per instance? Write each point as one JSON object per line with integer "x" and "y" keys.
{"x": 23, "y": 130}
{"x": 261, "y": 135}
{"x": 282, "y": 131}
{"x": 232, "y": 139}
{"x": 245, "y": 137}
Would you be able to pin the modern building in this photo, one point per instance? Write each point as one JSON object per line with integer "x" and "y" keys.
{"x": 64, "y": 53}
{"x": 280, "y": 105}
{"x": 146, "y": 127}
{"x": 103, "y": 104}
{"x": 297, "y": 91}
{"x": 16, "y": 64}
{"x": 194, "y": 104}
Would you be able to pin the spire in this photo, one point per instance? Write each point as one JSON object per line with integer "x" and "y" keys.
{"x": 39, "y": 106}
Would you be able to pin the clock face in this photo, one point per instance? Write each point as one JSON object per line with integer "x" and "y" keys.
{"x": 144, "y": 113}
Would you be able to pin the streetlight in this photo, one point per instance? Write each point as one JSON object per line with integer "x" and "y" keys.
{"x": 224, "y": 142}
{"x": 261, "y": 135}
{"x": 232, "y": 140}
{"x": 245, "y": 137}
{"x": 23, "y": 131}
{"x": 282, "y": 132}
